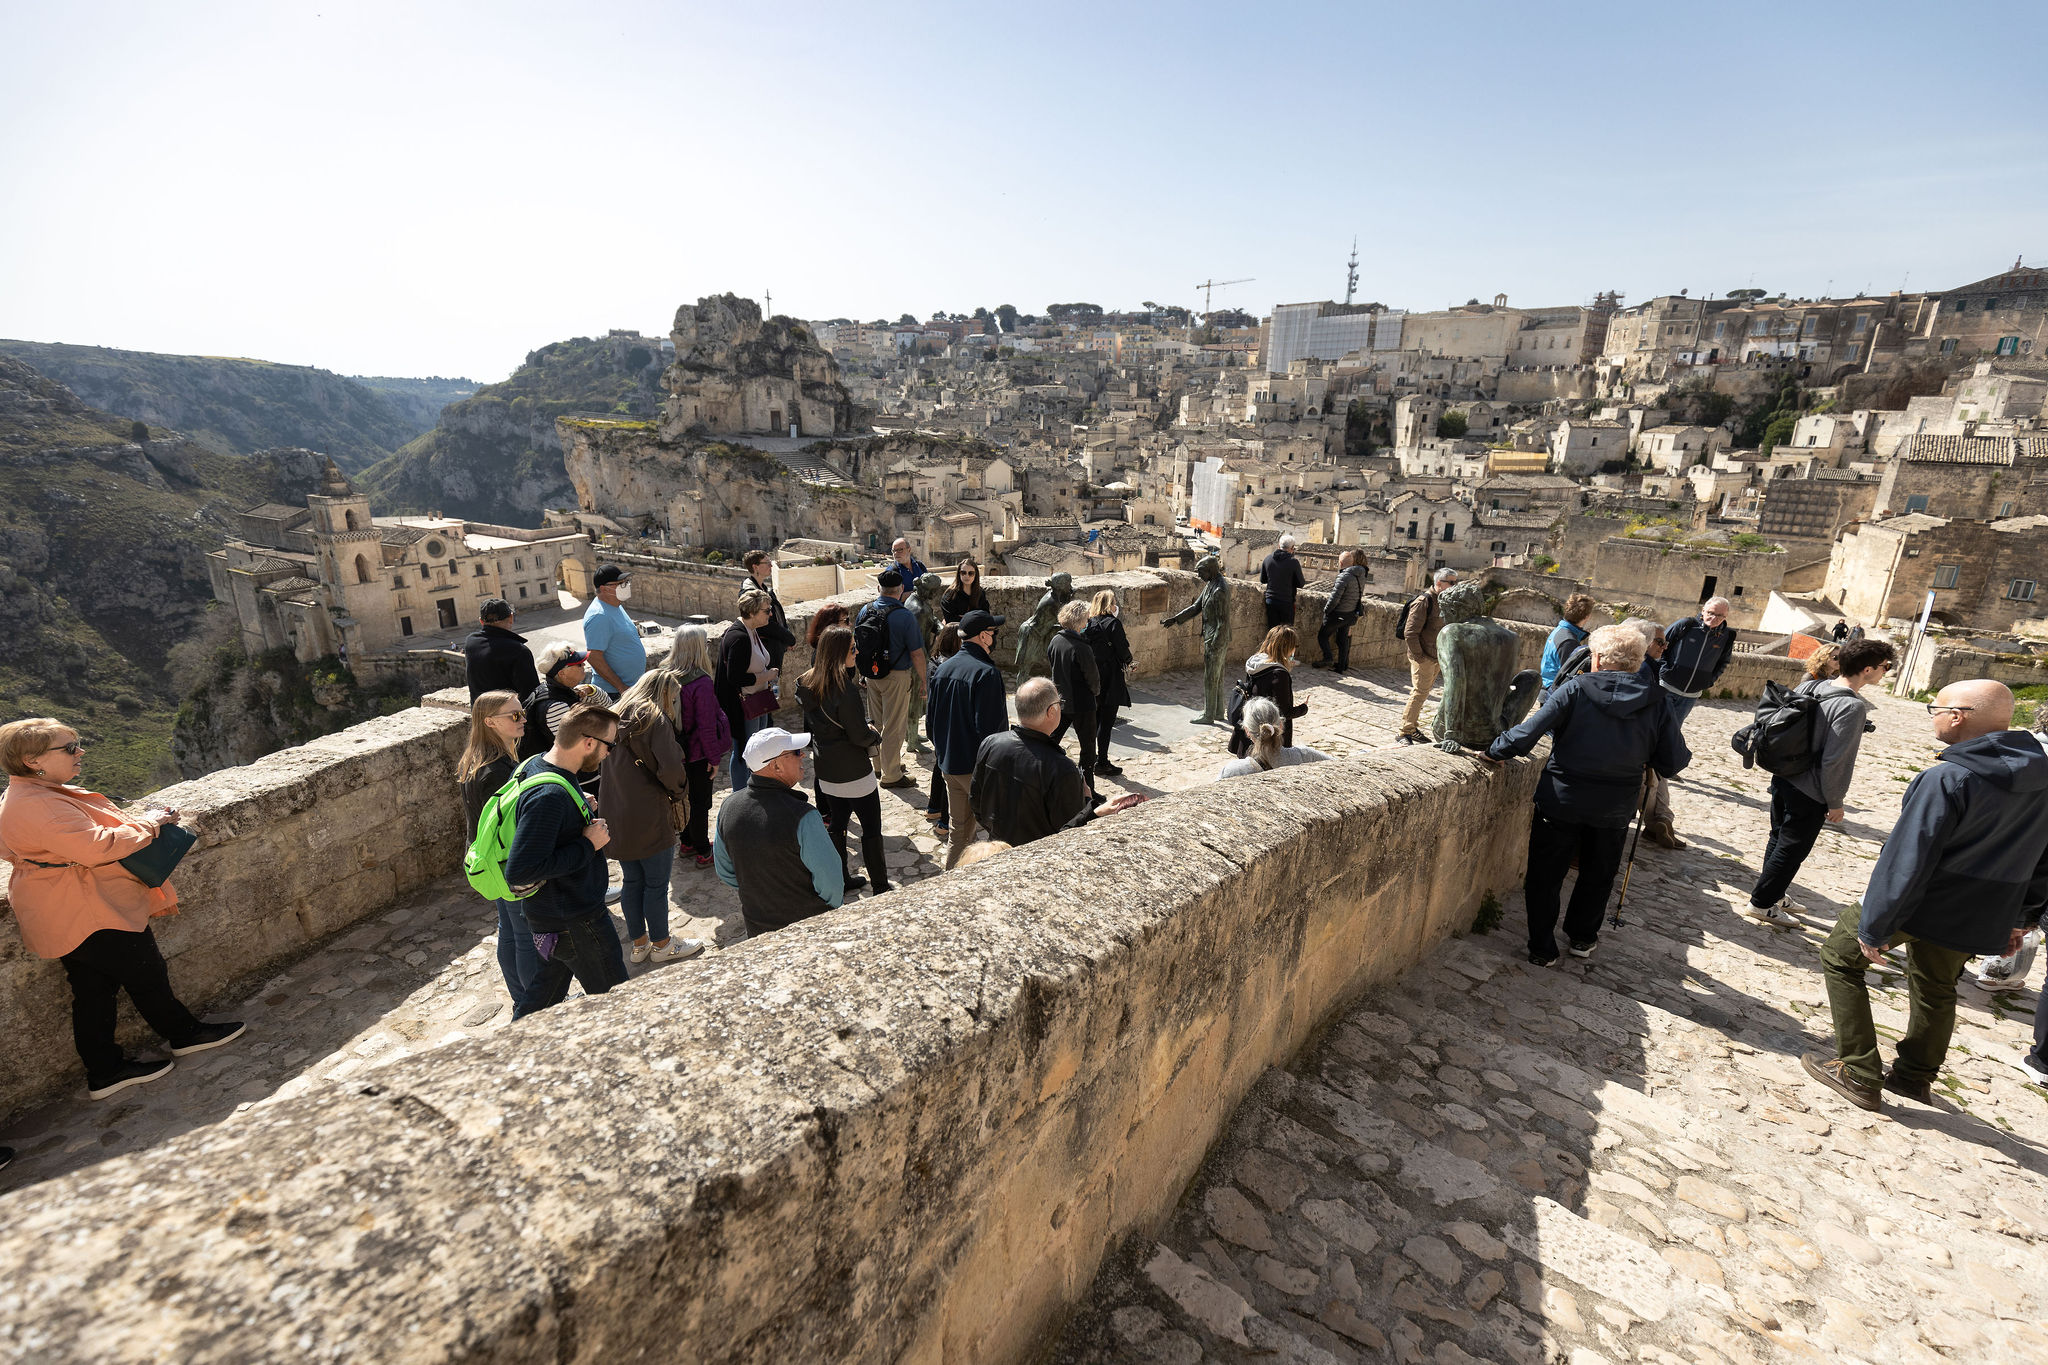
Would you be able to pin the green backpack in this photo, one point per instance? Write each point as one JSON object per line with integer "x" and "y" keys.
{"x": 484, "y": 865}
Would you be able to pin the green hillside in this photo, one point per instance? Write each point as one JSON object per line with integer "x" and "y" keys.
{"x": 102, "y": 565}
{"x": 419, "y": 401}
{"x": 238, "y": 406}
{"x": 494, "y": 456}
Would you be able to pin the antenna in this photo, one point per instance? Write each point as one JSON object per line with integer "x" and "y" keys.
{"x": 769, "y": 294}
{"x": 1351, "y": 274}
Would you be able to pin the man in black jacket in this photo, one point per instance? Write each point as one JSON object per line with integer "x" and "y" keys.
{"x": 1071, "y": 661}
{"x": 776, "y": 636}
{"x": 1697, "y": 651}
{"x": 1025, "y": 787}
{"x": 1964, "y": 871}
{"x": 557, "y": 843}
{"x": 1281, "y": 573}
{"x": 966, "y": 708}
{"x": 495, "y": 659}
{"x": 1606, "y": 726}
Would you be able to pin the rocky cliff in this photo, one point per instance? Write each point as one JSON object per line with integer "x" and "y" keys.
{"x": 238, "y": 407}
{"x": 103, "y": 540}
{"x": 495, "y": 455}
{"x": 738, "y": 372}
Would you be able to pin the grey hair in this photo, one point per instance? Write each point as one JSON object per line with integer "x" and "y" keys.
{"x": 1620, "y": 647}
{"x": 1644, "y": 624}
{"x": 1287, "y": 541}
{"x": 1035, "y": 697}
{"x": 752, "y": 603}
{"x": 1723, "y": 603}
{"x": 692, "y": 650}
{"x": 1074, "y": 614}
{"x": 552, "y": 653}
{"x": 1268, "y": 731}
{"x": 1447, "y": 574}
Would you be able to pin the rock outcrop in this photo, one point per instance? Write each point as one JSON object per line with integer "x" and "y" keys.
{"x": 736, "y": 373}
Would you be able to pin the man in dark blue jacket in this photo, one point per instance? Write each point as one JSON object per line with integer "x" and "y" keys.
{"x": 1697, "y": 651}
{"x": 1606, "y": 726}
{"x": 556, "y": 843}
{"x": 965, "y": 708}
{"x": 1282, "y": 575}
{"x": 1965, "y": 868}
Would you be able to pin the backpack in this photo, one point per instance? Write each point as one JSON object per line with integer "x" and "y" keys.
{"x": 1780, "y": 740}
{"x": 1575, "y": 663}
{"x": 484, "y": 864}
{"x": 871, "y": 648}
{"x": 1401, "y": 625}
{"x": 1234, "y": 713}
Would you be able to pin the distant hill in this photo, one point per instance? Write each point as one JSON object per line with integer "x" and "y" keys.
{"x": 103, "y": 541}
{"x": 238, "y": 407}
{"x": 419, "y": 401}
{"x": 494, "y": 456}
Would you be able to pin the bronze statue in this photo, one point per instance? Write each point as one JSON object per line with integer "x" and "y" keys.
{"x": 1483, "y": 693}
{"x": 1214, "y": 607}
{"x": 1043, "y": 625}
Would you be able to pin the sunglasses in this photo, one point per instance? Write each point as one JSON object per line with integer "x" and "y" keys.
{"x": 74, "y": 748}
{"x": 609, "y": 744}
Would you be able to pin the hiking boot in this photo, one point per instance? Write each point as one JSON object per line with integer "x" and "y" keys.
{"x": 1828, "y": 1071}
{"x": 1912, "y": 1090}
{"x": 675, "y": 950}
{"x": 935, "y": 817}
{"x": 127, "y": 1074}
{"x": 209, "y": 1036}
{"x": 1410, "y": 737}
{"x": 904, "y": 781}
{"x": 1583, "y": 949}
{"x": 1662, "y": 835}
{"x": 1322, "y": 663}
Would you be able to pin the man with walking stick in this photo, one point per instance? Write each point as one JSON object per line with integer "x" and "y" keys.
{"x": 1606, "y": 726}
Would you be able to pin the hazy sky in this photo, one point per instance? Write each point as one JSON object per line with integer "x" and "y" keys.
{"x": 422, "y": 188}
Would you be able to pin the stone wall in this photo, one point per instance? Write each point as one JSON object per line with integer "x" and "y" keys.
{"x": 292, "y": 848}
{"x": 1938, "y": 665}
{"x": 909, "y": 1130}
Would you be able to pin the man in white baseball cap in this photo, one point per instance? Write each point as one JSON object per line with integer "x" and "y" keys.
{"x": 771, "y": 844}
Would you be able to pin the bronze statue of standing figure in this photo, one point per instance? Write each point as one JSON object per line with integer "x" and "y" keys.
{"x": 1043, "y": 625}
{"x": 1214, "y": 608}
{"x": 1484, "y": 694}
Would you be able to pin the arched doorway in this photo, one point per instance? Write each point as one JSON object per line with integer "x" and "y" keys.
{"x": 574, "y": 575}
{"x": 362, "y": 569}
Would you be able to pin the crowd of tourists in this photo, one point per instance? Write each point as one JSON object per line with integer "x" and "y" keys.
{"x": 590, "y": 753}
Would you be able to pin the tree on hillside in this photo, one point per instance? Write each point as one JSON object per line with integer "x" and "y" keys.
{"x": 1006, "y": 314}
{"x": 1074, "y": 312}
{"x": 1450, "y": 426}
{"x": 1698, "y": 404}
{"x": 1358, "y": 429}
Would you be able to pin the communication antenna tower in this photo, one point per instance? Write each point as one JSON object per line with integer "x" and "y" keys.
{"x": 1351, "y": 275}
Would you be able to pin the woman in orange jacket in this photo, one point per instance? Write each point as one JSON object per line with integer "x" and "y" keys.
{"x": 75, "y": 902}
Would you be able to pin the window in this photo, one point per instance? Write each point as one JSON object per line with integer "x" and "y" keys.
{"x": 425, "y": 573}
{"x": 1500, "y": 547}
{"x": 1807, "y": 328}
{"x": 522, "y": 590}
{"x": 1948, "y": 345}
{"x": 2022, "y": 590}
{"x": 1411, "y": 530}
{"x": 1945, "y": 575}
{"x": 518, "y": 564}
{"x": 1720, "y": 330}
{"x": 362, "y": 569}
{"x": 1917, "y": 503}
{"x": 2008, "y": 346}
{"x": 1812, "y": 439}
{"x": 1862, "y": 323}
{"x": 479, "y": 571}
{"x": 1735, "y": 591}
{"x": 1758, "y": 326}
{"x": 1450, "y": 532}
{"x": 398, "y": 583}
{"x": 405, "y": 625}
{"x": 1990, "y": 304}
{"x": 1854, "y": 351}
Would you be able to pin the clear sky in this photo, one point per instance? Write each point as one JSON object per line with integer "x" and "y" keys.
{"x": 424, "y": 188}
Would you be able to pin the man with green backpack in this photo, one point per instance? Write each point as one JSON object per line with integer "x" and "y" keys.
{"x": 538, "y": 842}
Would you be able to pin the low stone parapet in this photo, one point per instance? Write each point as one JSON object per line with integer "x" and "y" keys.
{"x": 910, "y": 1129}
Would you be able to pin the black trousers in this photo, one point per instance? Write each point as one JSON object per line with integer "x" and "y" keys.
{"x": 1105, "y": 721}
{"x": 696, "y": 839}
{"x": 1796, "y": 821}
{"x": 935, "y": 800}
{"x": 837, "y": 810}
{"x": 1083, "y": 727}
{"x": 1337, "y": 629}
{"x": 587, "y": 951}
{"x": 1279, "y": 614}
{"x": 1552, "y": 846}
{"x": 108, "y": 962}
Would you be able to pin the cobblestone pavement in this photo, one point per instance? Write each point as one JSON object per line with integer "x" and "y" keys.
{"x": 1611, "y": 1160}
{"x": 1619, "y": 1159}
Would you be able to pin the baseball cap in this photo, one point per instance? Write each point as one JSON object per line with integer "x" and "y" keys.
{"x": 574, "y": 656}
{"x": 975, "y": 622}
{"x": 766, "y": 744}
{"x": 609, "y": 573}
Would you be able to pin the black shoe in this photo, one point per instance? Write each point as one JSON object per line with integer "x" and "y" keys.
{"x": 1537, "y": 959}
{"x": 904, "y": 781}
{"x": 882, "y": 889}
{"x": 1321, "y": 663}
{"x": 1912, "y": 1090}
{"x": 1584, "y": 949}
{"x": 129, "y": 1073}
{"x": 6, "y": 1157}
{"x": 1406, "y": 738}
{"x": 855, "y": 882}
{"x": 209, "y": 1036}
{"x": 1828, "y": 1071}
{"x": 1110, "y": 768}
{"x": 1339, "y": 671}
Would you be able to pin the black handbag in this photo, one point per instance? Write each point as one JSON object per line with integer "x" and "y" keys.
{"x": 153, "y": 865}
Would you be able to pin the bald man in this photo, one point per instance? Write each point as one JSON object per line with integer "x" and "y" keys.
{"x": 1965, "y": 868}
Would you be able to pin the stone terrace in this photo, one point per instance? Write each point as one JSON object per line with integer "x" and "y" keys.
{"x": 1616, "y": 1160}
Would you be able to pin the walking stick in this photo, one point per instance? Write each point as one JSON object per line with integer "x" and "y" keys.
{"x": 1615, "y": 921}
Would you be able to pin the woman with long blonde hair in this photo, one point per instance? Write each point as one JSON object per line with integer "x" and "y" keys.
{"x": 640, "y": 784}
{"x": 1105, "y": 635}
{"x": 497, "y": 726}
{"x": 702, "y": 730}
{"x": 842, "y": 735}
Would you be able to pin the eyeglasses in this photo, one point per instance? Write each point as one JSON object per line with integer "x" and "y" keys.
{"x": 609, "y": 744}
{"x": 519, "y": 716}
{"x": 1934, "y": 710}
{"x": 74, "y": 748}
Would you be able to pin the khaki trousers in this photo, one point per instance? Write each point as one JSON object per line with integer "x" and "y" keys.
{"x": 891, "y": 696}
{"x": 1421, "y": 677}
{"x": 960, "y": 814}
{"x": 1656, "y": 804}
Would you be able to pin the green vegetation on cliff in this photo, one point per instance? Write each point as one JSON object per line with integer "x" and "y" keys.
{"x": 495, "y": 456}
{"x": 239, "y": 407}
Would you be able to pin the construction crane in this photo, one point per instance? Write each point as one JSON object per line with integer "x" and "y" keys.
{"x": 1208, "y": 288}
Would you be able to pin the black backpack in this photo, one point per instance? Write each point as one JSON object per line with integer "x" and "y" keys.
{"x": 871, "y": 649}
{"x": 1781, "y": 738}
{"x": 1401, "y": 625}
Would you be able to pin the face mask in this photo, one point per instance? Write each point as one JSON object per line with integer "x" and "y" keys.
{"x": 625, "y": 592}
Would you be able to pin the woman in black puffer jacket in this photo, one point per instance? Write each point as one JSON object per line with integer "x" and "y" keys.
{"x": 841, "y": 738}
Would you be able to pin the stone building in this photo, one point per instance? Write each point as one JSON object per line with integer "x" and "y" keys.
{"x": 2004, "y": 315}
{"x": 736, "y": 373}
{"x": 1580, "y": 447}
{"x": 1983, "y": 574}
{"x": 1974, "y": 477}
{"x": 328, "y": 578}
{"x": 1816, "y": 508}
{"x": 1677, "y": 449}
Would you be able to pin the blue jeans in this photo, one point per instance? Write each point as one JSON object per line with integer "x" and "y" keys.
{"x": 740, "y": 771}
{"x": 1681, "y": 707}
{"x": 516, "y": 957}
{"x": 645, "y": 902}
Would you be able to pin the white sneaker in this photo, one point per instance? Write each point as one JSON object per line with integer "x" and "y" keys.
{"x": 675, "y": 950}
{"x": 1779, "y": 914}
{"x": 2034, "y": 1072}
{"x": 641, "y": 951}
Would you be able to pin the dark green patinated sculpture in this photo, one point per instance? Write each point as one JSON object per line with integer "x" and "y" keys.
{"x": 1214, "y": 608}
{"x": 1043, "y": 625}
{"x": 1483, "y": 692}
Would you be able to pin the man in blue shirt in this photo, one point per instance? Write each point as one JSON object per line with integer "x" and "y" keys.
{"x": 771, "y": 844}
{"x": 890, "y": 695}
{"x": 1569, "y": 635}
{"x": 616, "y": 654}
{"x": 909, "y": 565}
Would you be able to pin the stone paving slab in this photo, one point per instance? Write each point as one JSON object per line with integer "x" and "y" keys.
{"x": 1618, "y": 1159}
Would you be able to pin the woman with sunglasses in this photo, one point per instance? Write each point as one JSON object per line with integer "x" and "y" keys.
{"x": 966, "y": 594}
{"x": 76, "y": 903}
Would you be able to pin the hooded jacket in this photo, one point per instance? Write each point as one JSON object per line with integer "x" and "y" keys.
{"x": 1563, "y": 640}
{"x": 704, "y": 732}
{"x": 641, "y": 776}
{"x": 1267, "y": 677}
{"x": 1605, "y": 728}
{"x": 1696, "y": 655}
{"x": 1281, "y": 573}
{"x": 1967, "y": 862}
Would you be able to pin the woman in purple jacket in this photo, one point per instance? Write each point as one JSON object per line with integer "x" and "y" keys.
{"x": 702, "y": 730}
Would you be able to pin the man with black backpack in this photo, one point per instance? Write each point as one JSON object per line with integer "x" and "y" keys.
{"x": 888, "y": 653}
{"x": 1810, "y": 783}
{"x": 1420, "y": 621}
